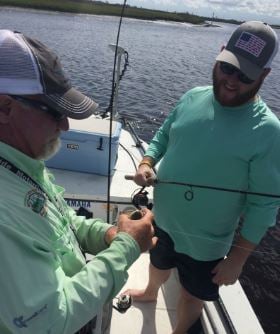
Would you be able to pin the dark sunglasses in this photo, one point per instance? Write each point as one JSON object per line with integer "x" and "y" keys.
{"x": 229, "y": 69}
{"x": 39, "y": 105}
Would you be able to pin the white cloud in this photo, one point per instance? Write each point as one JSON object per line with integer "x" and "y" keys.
{"x": 268, "y": 7}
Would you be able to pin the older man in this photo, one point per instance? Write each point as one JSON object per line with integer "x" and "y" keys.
{"x": 46, "y": 286}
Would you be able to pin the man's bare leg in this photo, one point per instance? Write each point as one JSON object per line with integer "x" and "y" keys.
{"x": 156, "y": 278}
{"x": 188, "y": 311}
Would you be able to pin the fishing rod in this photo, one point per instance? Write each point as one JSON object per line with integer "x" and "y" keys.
{"x": 189, "y": 193}
{"x": 111, "y": 113}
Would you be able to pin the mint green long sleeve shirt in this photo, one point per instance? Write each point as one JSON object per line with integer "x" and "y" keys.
{"x": 45, "y": 284}
{"x": 201, "y": 142}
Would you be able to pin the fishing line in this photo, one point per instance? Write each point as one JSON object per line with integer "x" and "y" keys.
{"x": 223, "y": 242}
{"x": 226, "y": 243}
{"x": 189, "y": 196}
{"x": 129, "y": 154}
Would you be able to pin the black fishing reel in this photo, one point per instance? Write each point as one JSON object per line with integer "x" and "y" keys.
{"x": 140, "y": 199}
{"x": 123, "y": 303}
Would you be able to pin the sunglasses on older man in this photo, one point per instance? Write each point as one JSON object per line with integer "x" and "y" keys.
{"x": 229, "y": 69}
{"x": 39, "y": 105}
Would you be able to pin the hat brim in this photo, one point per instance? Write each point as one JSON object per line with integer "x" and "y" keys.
{"x": 251, "y": 70}
{"x": 72, "y": 104}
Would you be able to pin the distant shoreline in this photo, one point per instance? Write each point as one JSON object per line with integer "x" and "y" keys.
{"x": 102, "y": 8}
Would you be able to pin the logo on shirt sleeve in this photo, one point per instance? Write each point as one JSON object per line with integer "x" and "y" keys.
{"x": 22, "y": 322}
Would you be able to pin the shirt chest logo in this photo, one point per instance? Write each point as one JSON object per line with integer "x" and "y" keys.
{"x": 37, "y": 202}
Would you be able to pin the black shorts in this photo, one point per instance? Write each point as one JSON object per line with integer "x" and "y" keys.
{"x": 195, "y": 276}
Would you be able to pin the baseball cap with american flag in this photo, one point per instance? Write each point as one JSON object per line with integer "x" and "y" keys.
{"x": 251, "y": 48}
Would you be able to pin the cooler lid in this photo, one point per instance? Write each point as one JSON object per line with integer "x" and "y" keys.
{"x": 93, "y": 125}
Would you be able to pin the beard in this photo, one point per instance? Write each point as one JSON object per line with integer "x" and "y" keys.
{"x": 50, "y": 149}
{"x": 239, "y": 98}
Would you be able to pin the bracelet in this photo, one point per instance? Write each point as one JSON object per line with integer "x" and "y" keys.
{"x": 145, "y": 163}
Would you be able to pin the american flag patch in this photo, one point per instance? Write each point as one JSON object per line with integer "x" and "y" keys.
{"x": 250, "y": 43}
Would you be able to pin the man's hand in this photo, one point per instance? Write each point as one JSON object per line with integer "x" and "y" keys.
{"x": 227, "y": 272}
{"x": 141, "y": 230}
{"x": 229, "y": 269}
{"x": 144, "y": 176}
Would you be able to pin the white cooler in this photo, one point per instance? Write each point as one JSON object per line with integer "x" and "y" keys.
{"x": 85, "y": 146}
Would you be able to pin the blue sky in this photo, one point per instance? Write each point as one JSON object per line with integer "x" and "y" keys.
{"x": 265, "y": 10}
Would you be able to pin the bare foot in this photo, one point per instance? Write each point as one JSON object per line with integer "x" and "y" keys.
{"x": 140, "y": 295}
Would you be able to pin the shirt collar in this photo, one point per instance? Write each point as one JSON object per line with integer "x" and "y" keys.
{"x": 32, "y": 167}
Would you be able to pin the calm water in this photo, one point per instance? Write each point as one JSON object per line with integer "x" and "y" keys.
{"x": 166, "y": 59}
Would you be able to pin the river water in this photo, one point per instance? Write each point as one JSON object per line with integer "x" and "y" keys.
{"x": 166, "y": 59}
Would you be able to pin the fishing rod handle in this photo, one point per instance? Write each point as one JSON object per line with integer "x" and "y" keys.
{"x": 136, "y": 214}
{"x": 131, "y": 178}
{"x": 133, "y": 213}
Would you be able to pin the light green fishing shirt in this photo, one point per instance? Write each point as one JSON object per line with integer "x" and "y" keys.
{"x": 45, "y": 284}
{"x": 201, "y": 142}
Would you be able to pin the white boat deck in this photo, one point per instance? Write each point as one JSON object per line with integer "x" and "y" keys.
{"x": 147, "y": 318}
{"x": 160, "y": 317}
